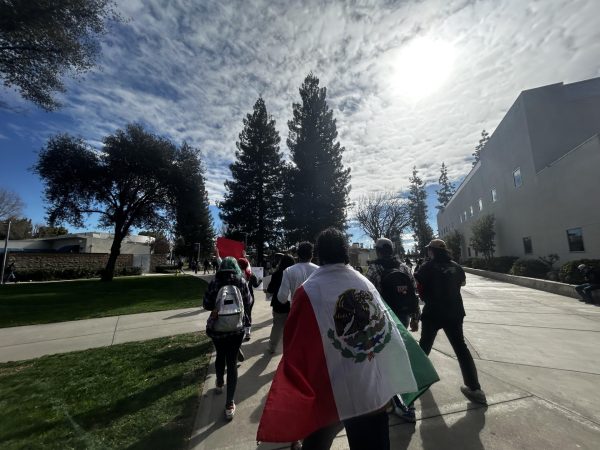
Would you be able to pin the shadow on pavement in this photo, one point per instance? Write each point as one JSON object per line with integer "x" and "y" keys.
{"x": 464, "y": 433}
{"x": 196, "y": 312}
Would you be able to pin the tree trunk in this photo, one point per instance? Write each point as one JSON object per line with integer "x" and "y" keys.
{"x": 115, "y": 251}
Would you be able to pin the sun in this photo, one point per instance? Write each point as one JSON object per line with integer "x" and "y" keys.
{"x": 421, "y": 67}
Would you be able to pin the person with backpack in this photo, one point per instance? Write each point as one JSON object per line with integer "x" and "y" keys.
{"x": 395, "y": 283}
{"x": 253, "y": 282}
{"x": 227, "y": 297}
{"x": 439, "y": 281}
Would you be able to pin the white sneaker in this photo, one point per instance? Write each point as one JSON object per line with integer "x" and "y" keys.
{"x": 230, "y": 411}
{"x": 476, "y": 396}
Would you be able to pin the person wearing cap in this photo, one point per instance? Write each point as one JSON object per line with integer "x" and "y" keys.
{"x": 439, "y": 281}
{"x": 592, "y": 283}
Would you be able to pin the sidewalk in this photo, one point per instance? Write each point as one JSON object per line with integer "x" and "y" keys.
{"x": 533, "y": 405}
{"x": 33, "y": 341}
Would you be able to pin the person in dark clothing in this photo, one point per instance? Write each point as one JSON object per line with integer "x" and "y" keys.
{"x": 253, "y": 282}
{"x": 592, "y": 283}
{"x": 227, "y": 344}
{"x": 439, "y": 282}
{"x": 419, "y": 264}
{"x": 408, "y": 262}
{"x": 280, "y": 310}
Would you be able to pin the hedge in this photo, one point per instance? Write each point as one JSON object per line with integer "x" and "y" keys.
{"x": 527, "y": 267}
{"x": 69, "y": 274}
{"x": 500, "y": 264}
{"x": 569, "y": 273}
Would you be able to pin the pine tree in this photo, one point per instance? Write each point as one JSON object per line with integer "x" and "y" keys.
{"x": 417, "y": 200}
{"x": 444, "y": 194}
{"x": 317, "y": 182}
{"x": 193, "y": 223}
{"x": 253, "y": 201}
{"x": 485, "y": 137}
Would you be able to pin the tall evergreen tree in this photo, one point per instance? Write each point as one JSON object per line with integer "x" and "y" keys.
{"x": 444, "y": 194}
{"x": 417, "y": 201}
{"x": 317, "y": 182}
{"x": 193, "y": 223}
{"x": 485, "y": 137}
{"x": 253, "y": 201}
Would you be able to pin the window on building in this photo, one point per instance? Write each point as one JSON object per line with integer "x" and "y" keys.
{"x": 469, "y": 251}
{"x": 480, "y": 204}
{"x": 471, "y": 210}
{"x": 517, "y": 177}
{"x": 494, "y": 196}
{"x": 575, "y": 238}
{"x": 527, "y": 246}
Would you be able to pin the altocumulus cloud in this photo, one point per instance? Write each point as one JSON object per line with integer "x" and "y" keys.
{"x": 191, "y": 71}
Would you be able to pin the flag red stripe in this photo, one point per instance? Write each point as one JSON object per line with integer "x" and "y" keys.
{"x": 301, "y": 398}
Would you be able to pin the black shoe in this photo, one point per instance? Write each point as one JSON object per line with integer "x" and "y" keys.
{"x": 241, "y": 356}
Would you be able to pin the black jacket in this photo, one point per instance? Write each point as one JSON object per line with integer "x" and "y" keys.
{"x": 273, "y": 288}
{"x": 440, "y": 283}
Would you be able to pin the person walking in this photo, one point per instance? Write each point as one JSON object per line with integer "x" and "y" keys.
{"x": 592, "y": 283}
{"x": 227, "y": 297}
{"x": 280, "y": 309}
{"x": 297, "y": 274}
{"x": 253, "y": 282}
{"x": 343, "y": 360}
{"x": 206, "y": 266}
{"x": 395, "y": 283}
{"x": 439, "y": 281}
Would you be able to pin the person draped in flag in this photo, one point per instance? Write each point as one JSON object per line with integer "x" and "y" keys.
{"x": 344, "y": 358}
{"x": 439, "y": 282}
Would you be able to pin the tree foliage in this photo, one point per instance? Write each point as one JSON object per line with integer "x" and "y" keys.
{"x": 160, "y": 244}
{"x": 317, "y": 186}
{"x": 482, "y": 236}
{"x": 193, "y": 222}
{"x": 42, "y": 231}
{"x": 382, "y": 214}
{"x": 252, "y": 206}
{"x": 417, "y": 204}
{"x": 11, "y": 204}
{"x": 444, "y": 194}
{"x": 454, "y": 241}
{"x": 485, "y": 137}
{"x": 129, "y": 183}
{"x": 42, "y": 40}
{"x": 20, "y": 228}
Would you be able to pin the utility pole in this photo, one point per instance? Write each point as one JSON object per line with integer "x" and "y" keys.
{"x": 5, "y": 252}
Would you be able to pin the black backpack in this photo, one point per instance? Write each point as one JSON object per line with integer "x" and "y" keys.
{"x": 398, "y": 291}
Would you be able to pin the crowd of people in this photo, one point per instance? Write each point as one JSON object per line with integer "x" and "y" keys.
{"x": 437, "y": 283}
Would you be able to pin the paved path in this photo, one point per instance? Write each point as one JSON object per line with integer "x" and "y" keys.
{"x": 33, "y": 341}
{"x": 538, "y": 359}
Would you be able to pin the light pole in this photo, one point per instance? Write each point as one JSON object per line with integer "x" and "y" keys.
{"x": 5, "y": 253}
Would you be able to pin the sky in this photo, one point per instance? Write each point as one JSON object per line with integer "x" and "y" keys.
{"x": 410, "y": 83}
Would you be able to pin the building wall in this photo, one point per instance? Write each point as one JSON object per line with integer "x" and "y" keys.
{"x": 559, "y": 187}
{"x": 76, "y": 260}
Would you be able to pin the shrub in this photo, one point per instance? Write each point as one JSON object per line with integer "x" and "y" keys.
{"x": 55, "y": 274}
{"x": 501, "y": 264}
{"x": 166, "y": 268}
{"x": 526, "y": 267}
{"x": 130, "y": 271}
{"x": 569, "y": 273}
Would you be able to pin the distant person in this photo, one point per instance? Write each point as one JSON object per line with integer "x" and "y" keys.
{"x": 194, "y": 265}
{"x": 206, "y": 266}
{"x": 419, "y": 264}
{"x": 280, "y": 309}
{"x": 592, "y": 283}
{"x": 360, "y": 270}
{"x": 253, "y": 282}
{"x": 11, "y": 269}
{"x": 439, "y": 282}
{"x": 408, "y": 262}
{"x": 215, "y": 265}
{"x": 395, "y": 283}
{"x": 228, "y": 298}
{"x": 179, "y": 267}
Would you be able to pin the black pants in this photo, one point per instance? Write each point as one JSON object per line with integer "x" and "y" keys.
{"x": 585, "y": 291}
{"x": 227, "y": 349}
{"x": 454, "y": 333}
{"x": 369, "y": 432}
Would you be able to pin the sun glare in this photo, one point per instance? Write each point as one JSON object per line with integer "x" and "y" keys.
{"x": 421, "y": 67}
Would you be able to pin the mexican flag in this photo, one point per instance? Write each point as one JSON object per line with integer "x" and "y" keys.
{"x": 344, "y": 355}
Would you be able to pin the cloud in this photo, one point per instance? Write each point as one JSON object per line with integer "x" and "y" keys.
{"x": 192, "y": 71}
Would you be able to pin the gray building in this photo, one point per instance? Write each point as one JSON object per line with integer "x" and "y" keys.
{"x": 539, "y": 175}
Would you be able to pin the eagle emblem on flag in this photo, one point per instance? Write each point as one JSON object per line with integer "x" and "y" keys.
{"x": 362, "y": 328}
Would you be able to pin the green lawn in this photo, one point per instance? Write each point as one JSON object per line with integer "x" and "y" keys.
{"x": 27, "y": 304}
{"x": 141, "y": 395}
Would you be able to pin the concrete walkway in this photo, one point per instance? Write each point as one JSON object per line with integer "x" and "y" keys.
{"x": 33, "y": 341}
{"x": 538, "y": 359}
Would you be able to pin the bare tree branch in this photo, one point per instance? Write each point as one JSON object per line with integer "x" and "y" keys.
{"x": 11, "y": 204}
{"x": 382, "y": 214}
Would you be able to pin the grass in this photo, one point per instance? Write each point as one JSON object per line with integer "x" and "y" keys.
{"x": 141, "y": 395}
{"x": 35, "y": 303}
